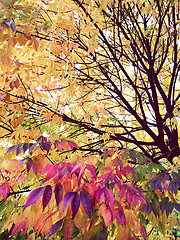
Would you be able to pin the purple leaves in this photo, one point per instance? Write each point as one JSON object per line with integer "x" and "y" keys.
{"x": 47, "y": 196}
{"x": 34, "y": 196}
{"x": 55, "y": 228}
{"x": 13, "y": 148}
{"x": 74, "y": 199}
{"x": 75, "y": 204}
{"x": 58, "y": 191}
{"x": 121, "y": 217}
{"x": 86, "y": 201}
{"x": 68, "y": 197}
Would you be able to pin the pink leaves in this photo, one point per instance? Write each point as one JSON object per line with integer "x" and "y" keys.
{"x": 129, "y": 196}
{"x": 24, "y": 225}
{"x": 34, "y": 196}
{"x": 4, "y": 190}
{"x": 92, "y": 170}
{"x": 108, "y": 195}
{"x": 107, "y": 216}
{"x": 65, "y": 145}
{"x": 86, "y": 201}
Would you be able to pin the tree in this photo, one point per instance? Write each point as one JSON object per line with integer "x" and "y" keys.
{"x": 90, "y": 105}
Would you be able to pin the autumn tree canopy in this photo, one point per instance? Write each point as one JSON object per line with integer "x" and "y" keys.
{"x": 89, "y": 111}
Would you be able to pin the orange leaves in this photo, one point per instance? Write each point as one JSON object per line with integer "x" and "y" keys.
{"x": 14, "y": 84}
{"x": 35, "y": 43}
{"x": 5, "y": 97}
{"x": 65, "y": 145}
{"x": 18, "y": 121}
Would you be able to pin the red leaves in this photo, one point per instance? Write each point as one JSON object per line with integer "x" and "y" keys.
{"x": 67, "y": 228}
{"x": 34, "y": 196}
{"x": 86, "y": 201}
{"x": 65, "y": 145}
{"x": 24, "y": 225}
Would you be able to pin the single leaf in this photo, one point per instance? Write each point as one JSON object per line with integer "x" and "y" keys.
{"x": 92, "y": 170}
{"x": 122, "y": 191}
{"x": 134, "y": 199}
{"x": 143, "y": 232}
{"x": 55, "y": 228}
{"x": 107, "y": 216}
{"x": 118, "y": 173}
{"x": 121, "y": 217}
{"x": 129, "y": 196}
{"x": 25, "y": 147}
{"x": 36, "y": 166}
{"x": 68, "y": 197}
{"x": 5, "y": 189}
{"x": 58, "y": 191}
{"x": 31, "y": 236}
{"x": 128, "y": 169}
{"x": 25, "y": 226}
{"x": 17, "y": 228}
{"x": 75, "y": 203}
{"x": 86, "y": 201}
{"x": 47, "y": 195}
{"x": 34, "y": 196}
{"x": 109, "y": 197}
{"x": 46, "y": 146}
{"x": 58, "y": 145}
{"x": 80, "y": 176}
{"x": 48, "y": 168}
{"x": 78, "y": 165}
{"x": 18, "y": 150}
{"x": 29, "y": 164}
{"x": 67, "y": 228}
{"x": 73, "y": 145}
